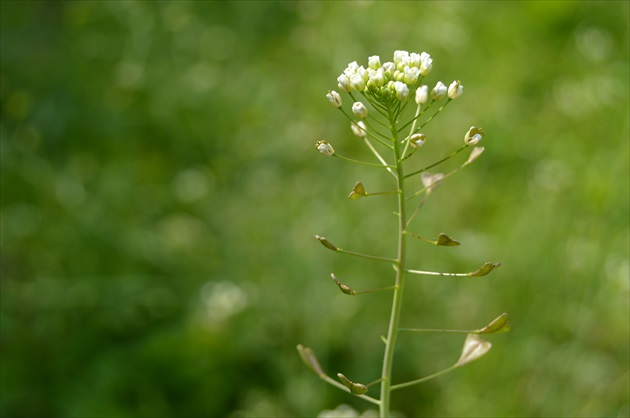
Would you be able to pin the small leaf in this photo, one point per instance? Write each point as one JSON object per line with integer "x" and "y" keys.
{"x": 310, "y": 360}
{"x": 343, "y": 287}
{"x": 357, "y": 192}
{"x": 474, "y": 348}
{"x": 485, "y": 269}
{"x": 326, "y": 243}
{"x": 446, "y": 241}
{"x": 498, "y": 325}
{"x": 355, "y": 388}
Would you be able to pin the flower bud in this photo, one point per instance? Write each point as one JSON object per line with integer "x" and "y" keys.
{"x": 422, "y": 94}
{"x": 359, "y": 110}
{"x": 417, "y": 140}
{"x": 325, "y": 148}
{"x": 402, "y": 91}
{"x": 357, "y": 82}
{"x": 377, "y": 78}
{"x": 455, "y": 89}
{"x": 351, "y": 68}
{"x": 415, "y": 60}
{"x": 473, "y": 136}
{"x": 400, "y": 56}
{"x": 439, "y": 91}
{"x": 389, "y": 68}
{"x": 374, "y": 62}
{"x": 411, "y": 75}
{"x": 426, "y": 64}
{"x": 359, "y": 129}
{"x": 343, "y": 81}
{"x": 334, "y": 97}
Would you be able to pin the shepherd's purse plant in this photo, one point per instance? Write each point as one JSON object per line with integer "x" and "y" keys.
{"x": 380, "y": 96}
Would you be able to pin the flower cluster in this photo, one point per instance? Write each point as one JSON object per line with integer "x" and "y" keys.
{"x": 389, "y": 80}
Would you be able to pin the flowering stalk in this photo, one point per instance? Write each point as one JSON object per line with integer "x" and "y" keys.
{"x": 386, "y": 90}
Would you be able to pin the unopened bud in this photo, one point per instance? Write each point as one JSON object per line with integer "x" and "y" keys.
{"x": 422, "y": 94}
{"x": 402, "y": 91}
{"x": 334, "y": 97}
{"x": 439, "y": 91}
{"x": 455, "y": 89}
{"x": 359, "y": 129}
{"x": 359, "y": 110}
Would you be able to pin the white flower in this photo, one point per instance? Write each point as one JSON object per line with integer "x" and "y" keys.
{"x": 427, "y": 63}
{"x": 473, "y": 136}
{"x": 400, "y": 56}
{"x": 455, "y": 89}
{"x": 359, "y": 110}
{"x": 334, "y": 98}
{"x": 351, "y": 68}
{"x": 415, "y": 60}
{"x": 359, "y": 129}
{"x": 377, "y": 78}
{"x": 357, "y": 82}
{"x": 411, "y": 75}
{"x": 438, "y": 91}
{"x": 344, "y": 83}
{"x": 422, "y": 94}
{"x": 417, "y": 140}
{"x": 402, "y": 91}
{"x": 325, "y": 148}
{"x": 374, "y": 62}
{"x": 389, "y": 68}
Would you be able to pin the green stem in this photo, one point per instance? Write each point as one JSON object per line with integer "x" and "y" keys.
{"x": 424, "y": 379}
{"x": 392, "y": 332}
{"x": 362, "y": 162}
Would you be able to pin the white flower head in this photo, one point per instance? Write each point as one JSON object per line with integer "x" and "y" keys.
{"x": 325, "y": 148}
{"x": 439, "y": 91}
{"x": 374, "y": 62}
{"x": 455, "y": 89}
{"x": 473, "y": 136}
{"x": 334, "y": 97}
{"x": 402, "y": 91}
{"x": 422, "y": 94}
{"x": 359, "y": 110}
{"x": 359, "y": 129}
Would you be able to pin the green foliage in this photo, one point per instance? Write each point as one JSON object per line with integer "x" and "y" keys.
{"x": 157, "y": 207}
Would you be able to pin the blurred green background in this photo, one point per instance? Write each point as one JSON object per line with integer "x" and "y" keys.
{"x": 160, "y": 191}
